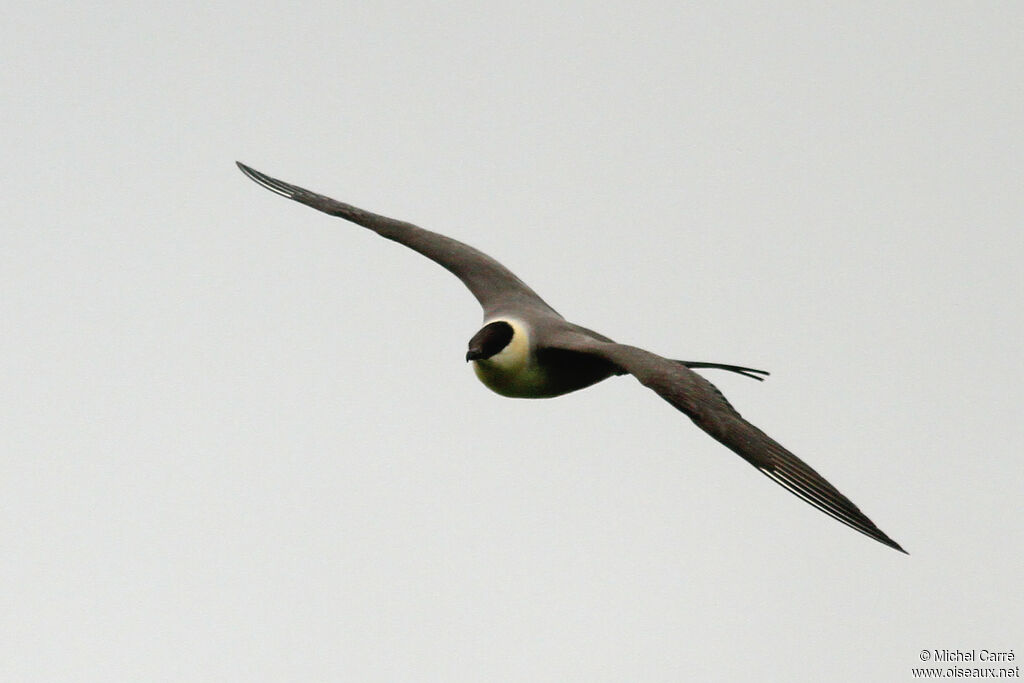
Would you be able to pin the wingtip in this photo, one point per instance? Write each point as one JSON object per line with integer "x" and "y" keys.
{"x": 885, "y": 540}
{"x": 272, "y": 184}
{"x": 880, "y": 536}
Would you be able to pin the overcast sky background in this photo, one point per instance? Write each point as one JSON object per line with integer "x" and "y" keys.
{"x": 238, "y": 440}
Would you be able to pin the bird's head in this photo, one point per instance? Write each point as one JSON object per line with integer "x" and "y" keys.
{"x": 490, "y": 340}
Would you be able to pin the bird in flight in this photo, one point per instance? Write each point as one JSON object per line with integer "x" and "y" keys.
{"x": 525, "y": 349}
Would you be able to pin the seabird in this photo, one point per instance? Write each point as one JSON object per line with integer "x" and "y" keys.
{"x": 525, "y": 349}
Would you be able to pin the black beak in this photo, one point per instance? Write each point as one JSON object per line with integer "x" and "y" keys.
{"x": 474, "y": 354}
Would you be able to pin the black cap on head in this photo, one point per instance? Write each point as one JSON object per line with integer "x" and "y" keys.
{"x": 491, "y": 339}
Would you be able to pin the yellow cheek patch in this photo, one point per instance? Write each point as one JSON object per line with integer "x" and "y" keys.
{"x": 515, "y": 357}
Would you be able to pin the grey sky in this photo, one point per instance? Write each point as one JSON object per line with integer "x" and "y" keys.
{"x": 239, "y": 440}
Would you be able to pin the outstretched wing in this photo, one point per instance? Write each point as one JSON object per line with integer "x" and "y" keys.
{"x": 493, "y": 285}
{"x": 701, "y": 401}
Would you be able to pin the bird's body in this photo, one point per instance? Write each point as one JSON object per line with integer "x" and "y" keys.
{"x": 525, "y": 349}
{"x": 522, "y": 370}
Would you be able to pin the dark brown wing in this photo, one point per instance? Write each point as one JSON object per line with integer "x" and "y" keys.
{"x": 704, "y": 404}
{"x": 493, "y": 285}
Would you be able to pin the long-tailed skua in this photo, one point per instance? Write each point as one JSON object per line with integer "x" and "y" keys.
{"x": 525, "y": 349}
